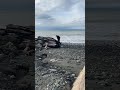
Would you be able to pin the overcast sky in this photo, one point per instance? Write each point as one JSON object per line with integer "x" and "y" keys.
{"x": 59, "y": 14}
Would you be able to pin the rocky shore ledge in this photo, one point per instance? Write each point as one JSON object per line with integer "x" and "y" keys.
{"x": 56, "y": 68}
{"x": 17, "y": 57}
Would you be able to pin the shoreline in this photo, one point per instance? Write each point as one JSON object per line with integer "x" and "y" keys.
{"x": 66, "y": 36}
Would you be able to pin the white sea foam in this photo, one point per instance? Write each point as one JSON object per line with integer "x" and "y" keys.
{"x": 66, "y": 36}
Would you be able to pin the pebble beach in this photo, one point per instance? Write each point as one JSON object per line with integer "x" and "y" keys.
{"x": 60, "y": 68}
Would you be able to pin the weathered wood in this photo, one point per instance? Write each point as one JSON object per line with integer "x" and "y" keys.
{"x": 79, "y": 84}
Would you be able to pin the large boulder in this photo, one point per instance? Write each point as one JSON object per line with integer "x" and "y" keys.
{"x": 51, "y": 42}
{"x": 12, "y": 37}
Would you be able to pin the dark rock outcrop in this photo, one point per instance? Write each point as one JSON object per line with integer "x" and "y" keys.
{"x": 17, "y": 57}
{"x": 47, "y": 41}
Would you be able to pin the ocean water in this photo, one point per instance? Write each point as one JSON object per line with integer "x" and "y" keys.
{"x": 67, "y": 36}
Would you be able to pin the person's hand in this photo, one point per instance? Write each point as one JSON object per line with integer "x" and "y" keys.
{"x": 79, "y": 84}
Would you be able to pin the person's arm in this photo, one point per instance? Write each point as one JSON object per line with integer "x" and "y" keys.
{"x": 79, "y": 84}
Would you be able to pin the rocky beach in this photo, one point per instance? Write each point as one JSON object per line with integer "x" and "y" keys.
{"x": 102, "y": 65}
{"x": 17, "y": 57}
{"x": 25, "y": 64}
{"x": 57, "y": 68}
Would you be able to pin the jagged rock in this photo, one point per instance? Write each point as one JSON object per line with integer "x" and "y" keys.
{"x": 38, "y": 46}
{"x": 24, "y": 43}
{"x": 28, "y": 50}
{"x": 48, "y": 41}
{"x": 13, "y": 40}
{"x": 9, "y": 49}
{"x": 19, "y": 29}
{"x": 25, "y": 28}
{"x": 12, "y": 26}
{"x": 12, "y": 37}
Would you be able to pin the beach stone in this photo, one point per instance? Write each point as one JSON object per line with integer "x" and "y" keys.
{"x": 9, "y": 47}
{"x": 78, "y": 61}
{"x": 73, "y": 75}
{"x": 43, "y": 56}
{"x": 53, "y": 70}
{"x": 38, "y": 46}
{"x": 52, "y": 60}
{"x": 12, "y": 77}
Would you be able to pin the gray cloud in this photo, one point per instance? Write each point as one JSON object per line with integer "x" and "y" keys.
{"x": 60, "y": 14}
{"x": 45, "y": 17}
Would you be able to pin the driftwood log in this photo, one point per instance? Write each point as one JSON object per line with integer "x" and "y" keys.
{"x": 79, "y": 84}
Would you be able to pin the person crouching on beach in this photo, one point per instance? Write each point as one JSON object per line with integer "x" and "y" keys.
{"x": 58, "y": 38}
